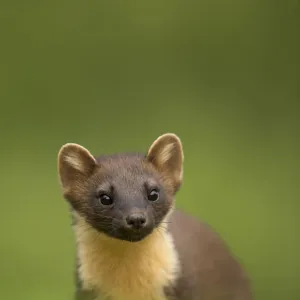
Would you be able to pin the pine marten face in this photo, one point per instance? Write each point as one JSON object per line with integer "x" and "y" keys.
{"x": 123, "y": 196}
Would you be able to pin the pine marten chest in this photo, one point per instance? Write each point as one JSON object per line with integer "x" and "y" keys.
{"x": 119, "y": 270}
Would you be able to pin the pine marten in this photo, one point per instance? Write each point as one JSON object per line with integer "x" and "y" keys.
{"x": 132, "y": 243}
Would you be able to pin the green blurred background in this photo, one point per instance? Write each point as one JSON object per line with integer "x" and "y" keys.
{"x": 112, "y": 76}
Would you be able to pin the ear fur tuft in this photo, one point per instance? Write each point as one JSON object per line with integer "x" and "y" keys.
{"x": 166, "y": 154}
{"x": 74, "y": 163}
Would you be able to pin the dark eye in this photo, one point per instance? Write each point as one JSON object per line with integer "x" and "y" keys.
{"x": 105, "y": 199}
{"x": 153, "y": 195}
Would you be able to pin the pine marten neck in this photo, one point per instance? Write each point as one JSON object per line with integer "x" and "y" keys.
{"x": 126, "y": 270}
{"x": 121, "y": 205}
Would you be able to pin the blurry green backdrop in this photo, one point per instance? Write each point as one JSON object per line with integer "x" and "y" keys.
{"x": 112, "y": 76}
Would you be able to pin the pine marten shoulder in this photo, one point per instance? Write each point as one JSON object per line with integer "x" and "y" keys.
{"x": 132, "y": 243}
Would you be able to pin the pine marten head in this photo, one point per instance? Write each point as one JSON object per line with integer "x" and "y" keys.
{"x": 125, "y": 196}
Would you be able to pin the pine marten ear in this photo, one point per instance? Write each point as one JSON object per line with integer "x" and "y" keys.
{"x": 166, "y": 154}
{"x": 75, "y": 164}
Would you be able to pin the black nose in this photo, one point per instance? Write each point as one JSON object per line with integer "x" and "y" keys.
{"x": 136, "y": 220}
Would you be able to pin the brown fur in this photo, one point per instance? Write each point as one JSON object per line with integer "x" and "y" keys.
{"x": 172, "y": 257}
